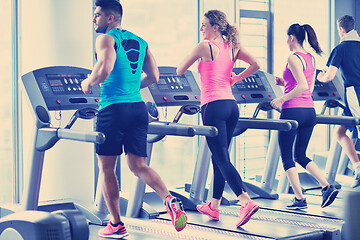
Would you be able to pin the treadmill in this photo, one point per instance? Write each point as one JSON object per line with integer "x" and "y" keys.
{"x": 330, "y": 219}
{"x": 54, "y": 88}
{"x": 264, "y": 229}
{"x": 266, "y": 222}
{"x": 145, "y": 212}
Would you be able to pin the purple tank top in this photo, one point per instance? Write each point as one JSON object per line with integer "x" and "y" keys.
{"x": 216, "y": 76}
{"x": 305, "y": 99}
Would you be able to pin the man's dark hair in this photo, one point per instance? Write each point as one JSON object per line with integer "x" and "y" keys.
{"x": 111, "y": 7}
{"x": 346, "y": 22}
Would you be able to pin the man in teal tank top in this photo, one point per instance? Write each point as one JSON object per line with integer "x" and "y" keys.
{"x": 124, "y": 66}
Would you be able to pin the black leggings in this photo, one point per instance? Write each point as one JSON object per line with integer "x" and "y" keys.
{"x": 306, "y": 117}
{"x": 222, "y": 114}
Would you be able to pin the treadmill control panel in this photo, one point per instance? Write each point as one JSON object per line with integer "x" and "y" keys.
{"x": 175, "y": 90}
{"x": 259, "y": 87}
{"x": 64, "y": 84}
{"x": 329, "y": 90}
{"x": 59, "y": 87}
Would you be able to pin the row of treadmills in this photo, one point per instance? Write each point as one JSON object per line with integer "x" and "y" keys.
{"x": 58, "y": 88}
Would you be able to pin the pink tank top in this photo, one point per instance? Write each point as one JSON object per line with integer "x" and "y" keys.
{"x": 304, "y": 100}
{"x": 216, "y": 76}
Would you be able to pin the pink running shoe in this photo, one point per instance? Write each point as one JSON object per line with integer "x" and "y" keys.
{"x": 207, "y": 210}
{"x": 175, "y": 209}
{"x": 113, "y": 232}
{"x": 246, "y": 212}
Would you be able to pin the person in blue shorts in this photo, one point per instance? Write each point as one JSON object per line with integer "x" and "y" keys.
{"x": 124, "y": 65}
{"x": 346, "y": 57}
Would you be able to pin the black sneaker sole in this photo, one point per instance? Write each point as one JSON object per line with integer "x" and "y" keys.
{"x": 296, "y": 208}
{"x": 330, "y": 199}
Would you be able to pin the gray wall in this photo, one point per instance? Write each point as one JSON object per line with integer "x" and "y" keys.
{"x": 347, "y": 7}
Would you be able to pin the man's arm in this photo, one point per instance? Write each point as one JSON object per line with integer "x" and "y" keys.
{"x": 106, "y": 57}
{"x": 150, "y": 73}
{"x": 328, "y": 75}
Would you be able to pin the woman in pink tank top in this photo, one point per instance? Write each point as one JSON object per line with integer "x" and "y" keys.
{"x": 297, "y": 104}
{"x": 217, "y": 54}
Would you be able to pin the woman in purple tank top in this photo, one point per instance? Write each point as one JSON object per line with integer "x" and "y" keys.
{"x": 297, "y": 104}
{"x": 217, "y": 54}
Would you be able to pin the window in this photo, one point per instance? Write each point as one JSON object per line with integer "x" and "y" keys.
{"x": 307, "y": 12}
{"x": 170, "y": 28}
{"x": 226, "y": 6}
{"x": 255, "y": 5}
{"x": 6, "y": 152}
{"x": 255, "y": 35}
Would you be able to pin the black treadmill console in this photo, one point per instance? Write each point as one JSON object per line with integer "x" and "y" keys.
{"x": 255, "y": 88}
{"x": 325, "y": 91}
{"x": 175, "y": 90}
{"x": 60, "y": 88}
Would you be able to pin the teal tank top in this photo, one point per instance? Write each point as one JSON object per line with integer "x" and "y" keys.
{"x": 123, "y": 83}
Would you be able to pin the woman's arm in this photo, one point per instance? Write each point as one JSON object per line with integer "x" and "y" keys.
{"x": 245, "y": 56}
{"x": 296, "y": 69}
{"x": 195, "y": 54}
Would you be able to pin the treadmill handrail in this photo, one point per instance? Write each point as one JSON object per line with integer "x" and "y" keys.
{"x": 167, "y": 128}
{"x": 161, "y": 129}
{"x": 266, "y": 124}
{"x": 93, "y": 137}
{"x": 337, "y": 120}
{"x": 47, "y": 137}
{"x": 208, "y": 131}
{"x": 270, "y": 124}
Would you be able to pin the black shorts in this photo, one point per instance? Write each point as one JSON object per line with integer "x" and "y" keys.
{"x": 124, "y": 125}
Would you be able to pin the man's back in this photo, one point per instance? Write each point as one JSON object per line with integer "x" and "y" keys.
{"x": 123, "y": 84}
{"x": 346, "y": 57}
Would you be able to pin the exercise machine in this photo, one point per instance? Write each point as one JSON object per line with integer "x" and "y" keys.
{"x": 254, "y": 89}
{"x": 39, "y": 225}
{"x": 270, "y": 224}
{"x": 54, "y": 88}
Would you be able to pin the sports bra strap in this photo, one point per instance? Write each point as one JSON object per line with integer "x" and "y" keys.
{"x": 304, "y": 67}
{"x": 212, "y": 57}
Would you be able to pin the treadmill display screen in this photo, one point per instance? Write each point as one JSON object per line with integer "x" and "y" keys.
{"x": 251, "y": 83}
{"x": 65, "y": 84}
{"x": 172, "y": 83}
{"x": 329, "y": 90}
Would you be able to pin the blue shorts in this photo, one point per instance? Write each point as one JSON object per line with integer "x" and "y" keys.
{"x": 125, "y": 125}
